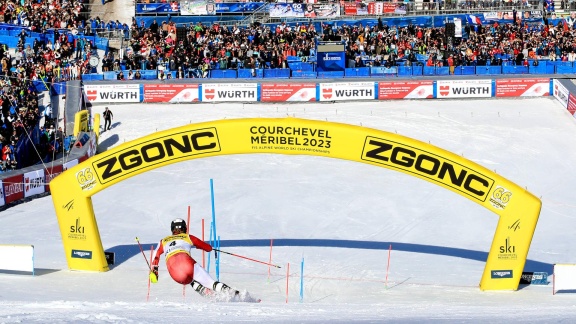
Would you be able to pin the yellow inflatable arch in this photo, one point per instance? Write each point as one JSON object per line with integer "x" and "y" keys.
{"x": 518, "y": 209}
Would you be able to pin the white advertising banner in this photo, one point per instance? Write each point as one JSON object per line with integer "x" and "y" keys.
{"x": 560, "y": 92}
{"x": 69, "y": 164}
{"x": 347, "y": 91}
{"x": 564, "y": 277}
{"x": 464, "y": 89}
{"x": 239, "y": 92}
{"x": 33, "y": 183}
{"x": 2, "y": 201}
{"x": 17, "y": 257}
{"x": 112, "y": 92}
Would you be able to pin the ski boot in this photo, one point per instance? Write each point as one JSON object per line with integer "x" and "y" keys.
{"x": 222, "y": 287}
{"x": 199, "y": 288}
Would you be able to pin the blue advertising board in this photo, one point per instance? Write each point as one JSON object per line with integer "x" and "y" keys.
{"x": 330, "y": 61}
{"x": 238, "y": 7}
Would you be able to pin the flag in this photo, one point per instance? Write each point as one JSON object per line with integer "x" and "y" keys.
{"x": 473, "y": 20}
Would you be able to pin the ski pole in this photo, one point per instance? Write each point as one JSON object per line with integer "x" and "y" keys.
{"x": 144, "y": 255}
{"x": 149, "y": 279}
{"x": 243, "y": 257}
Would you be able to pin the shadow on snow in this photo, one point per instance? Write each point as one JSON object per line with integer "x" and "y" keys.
{"x": 125, "y": 252}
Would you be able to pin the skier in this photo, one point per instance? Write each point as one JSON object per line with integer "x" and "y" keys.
{"x": 182, "y": 267}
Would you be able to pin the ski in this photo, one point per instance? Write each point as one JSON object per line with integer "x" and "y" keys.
{"x": 226, "y": 295}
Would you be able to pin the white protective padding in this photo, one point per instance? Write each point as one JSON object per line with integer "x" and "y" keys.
{"x": 564, "y": 277}
{"x": 15, "y": 257}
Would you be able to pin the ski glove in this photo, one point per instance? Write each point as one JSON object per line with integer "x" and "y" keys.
{"x": 154, "y": 275}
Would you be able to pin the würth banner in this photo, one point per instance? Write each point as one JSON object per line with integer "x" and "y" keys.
{"x": 347, "y": 91}
{"x": 113, "y": 92}
{"x": 239, "y": 92}
{"x": 464, "y": 89}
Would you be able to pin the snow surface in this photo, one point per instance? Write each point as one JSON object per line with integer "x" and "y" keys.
{"x": 339, "y": 216}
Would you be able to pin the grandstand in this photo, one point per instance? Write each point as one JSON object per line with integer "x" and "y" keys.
{"x": 261, "y": 17}
{"x": 48, "y": 45}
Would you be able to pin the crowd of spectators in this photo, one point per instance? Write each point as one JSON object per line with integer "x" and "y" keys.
{"x": 65, "y": 59}
{"x": 43, "y": 15}
{"x": 203, "y": 48}
{"x": 19, "y": 102}
{"x": 207, "y": 47}
{"x": 43, "y": 61}
{"x": 493, "y": 44}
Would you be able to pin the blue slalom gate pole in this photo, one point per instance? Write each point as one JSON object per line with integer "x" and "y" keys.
{"x": 209, "y": 240}
{"x": 302, "y": 281}
{"x": 213, "y": 208}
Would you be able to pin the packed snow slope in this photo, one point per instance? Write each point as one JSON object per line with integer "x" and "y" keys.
{"x": 376, "y": 245}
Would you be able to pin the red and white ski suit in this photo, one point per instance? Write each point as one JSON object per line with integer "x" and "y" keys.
{"x": 181, "y": 266}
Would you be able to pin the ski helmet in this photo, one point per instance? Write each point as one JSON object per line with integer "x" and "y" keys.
{"x": 178, "y": 224}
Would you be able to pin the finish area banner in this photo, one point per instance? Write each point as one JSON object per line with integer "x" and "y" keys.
{"x": 173, "y": 93}
{"x": 275, "y": 92}
{"x": 405, "y": 90}
{"x": 294, "y": 136}
{"x": 523, "y": 88}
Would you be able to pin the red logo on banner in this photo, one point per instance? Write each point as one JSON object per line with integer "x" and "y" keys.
{"x": 327, "y": 93}
{"x": 444, "y": 90}
{"x": 572, "y": 104}
{"x": 13, "y": 188}
{"x": 209, "y": 93}
{"x": 92, "y": 95}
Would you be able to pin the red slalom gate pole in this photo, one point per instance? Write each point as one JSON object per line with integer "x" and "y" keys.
{"x": 271, "y": 241}
{"x": 151, "y": 253}
{"x": 148, "y": 263}
{"x": 388, "y": 266}
{"x": 287, "y": 279}
{"x": 188, "y": 230}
